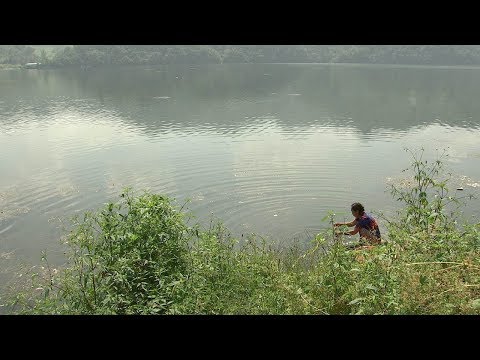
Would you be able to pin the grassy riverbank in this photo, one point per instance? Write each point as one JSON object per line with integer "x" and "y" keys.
{"x": 140, "y": 255}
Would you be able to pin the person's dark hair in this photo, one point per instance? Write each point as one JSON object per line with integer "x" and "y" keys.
{"x": 358, "y": 207}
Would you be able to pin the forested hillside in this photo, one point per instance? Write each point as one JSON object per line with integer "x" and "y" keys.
{"x": 95, "y": 55}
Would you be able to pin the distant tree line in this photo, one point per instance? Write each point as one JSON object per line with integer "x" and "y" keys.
{"x": 17, "y": 54}
{"x": 96, "y": 55}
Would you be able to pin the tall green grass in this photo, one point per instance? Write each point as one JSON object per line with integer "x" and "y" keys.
{"x": 141, "y": 256}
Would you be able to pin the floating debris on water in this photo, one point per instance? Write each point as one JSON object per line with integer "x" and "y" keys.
{"x": 7, "y": 255}
{"x": 407, "y": 183}
{"x": 294, "y": 94}
{"x": 199, "y": 197}
{"x": 11, "y": 213}
{"x": 467, "y": 181}
{"x": 161, "y": 97}
{"x": 460, "y": 182}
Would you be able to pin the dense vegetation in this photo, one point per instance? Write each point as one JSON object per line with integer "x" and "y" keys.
{"x": 140, "y": 256}
{"x": 94, "y": 55}
{"x": 17, "y": 54}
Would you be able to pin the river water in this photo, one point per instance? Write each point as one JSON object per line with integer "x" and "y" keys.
{"x": 266, "y": 148}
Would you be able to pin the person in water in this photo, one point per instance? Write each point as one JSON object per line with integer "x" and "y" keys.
{"x": 364, "y": 224}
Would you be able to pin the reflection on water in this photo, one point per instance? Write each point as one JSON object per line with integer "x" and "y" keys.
{"x": 266, "y": 148}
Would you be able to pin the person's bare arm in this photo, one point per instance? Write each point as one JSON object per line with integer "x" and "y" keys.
{"x": 349, "y": 224}
{"x": 353, "y": 232}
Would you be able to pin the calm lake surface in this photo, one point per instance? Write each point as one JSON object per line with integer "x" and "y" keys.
{"x": 267, "y": 148}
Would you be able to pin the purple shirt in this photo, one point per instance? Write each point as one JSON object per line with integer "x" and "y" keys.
{"x": 366, "y": 221}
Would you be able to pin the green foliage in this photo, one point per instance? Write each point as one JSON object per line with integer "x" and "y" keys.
{"x": 17, "y": 54}
{"x": 139, "y": 256}
{"x": 124, "y": 259}
{"x": 429, "y": 204}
